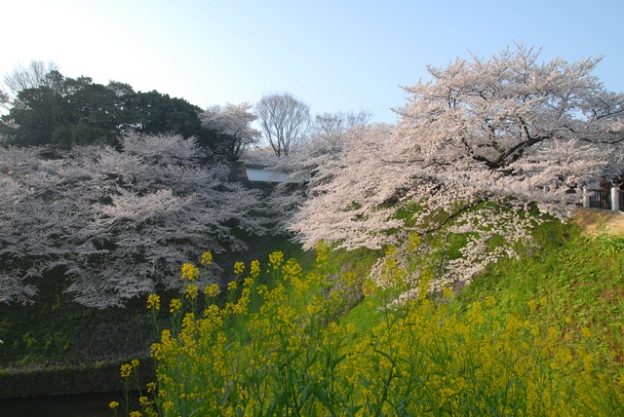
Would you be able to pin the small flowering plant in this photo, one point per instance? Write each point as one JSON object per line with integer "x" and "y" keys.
{"x": 239, "y": 268}
{"x": 126, "y": 371}
{"x": 153, "y": 303}
{"x": 206, "y": 258}
{"x": 189, "y": 272}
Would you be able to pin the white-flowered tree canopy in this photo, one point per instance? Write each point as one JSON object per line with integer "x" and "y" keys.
{"x": 116, "y": 224}
{"x": 510, "y": 129}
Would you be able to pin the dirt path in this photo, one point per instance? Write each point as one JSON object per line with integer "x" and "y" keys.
{"x": 598, "y": 222}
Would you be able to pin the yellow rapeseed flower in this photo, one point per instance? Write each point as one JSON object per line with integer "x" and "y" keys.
{"x": 413, "y": 241}
{"x": 125, "y": 370}
{"x": 276, "y": 258}
{"x": 562, "y": 357}
{"x": 144, "y": 401}
{"x": 191, "y": 291}
{"x": 153, "y": 302}
{"x": 113, "y": 404}
{"x": 167, "y": 405}
{"x": 553, "y": 333}
{"x": 212, "y": 290}
{"x": 206, "y": 258}
{"x": 301, "y": 286}
{"x": 588, "y": 360}
{"x": 135, "y": 414}
{"x": 322, "y": 252}
{"x": 390, "y": 251}
{"x": 212, "y": 311}
{"x": 175, "y": 305}
{"x": 447, "y": 293}
{"x": 232, "y": 285}
{"x": 189, "y": 272}
{"x": 475, "y": 314}
{"x": 368, "y": 287}
{"x": 291, "y": 269}
{"x": 255, "y": 268}
{"x": 239, "y": 267}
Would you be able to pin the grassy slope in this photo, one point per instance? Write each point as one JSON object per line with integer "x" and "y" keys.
{"x": 53, "y": 331}
{"x": 574, "y": 283}
{"x": 538, "y": 335}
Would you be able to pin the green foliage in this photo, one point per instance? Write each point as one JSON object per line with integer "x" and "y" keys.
{"x": 155, "y": 113}
{"x": 43, "y": 112}
{"x": 454, "y": 242}
{"x": 406, "y": 213}
{"x": 573, "y": 282}
{"x": 487, "y": 351}
{"x": 81, "y": 112}
{"x": 353, "y": 206}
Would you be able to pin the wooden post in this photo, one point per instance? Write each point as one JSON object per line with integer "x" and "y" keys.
{"x": 585, "y": 198}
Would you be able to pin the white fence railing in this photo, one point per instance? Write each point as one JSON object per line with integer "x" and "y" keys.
{"x": 602, "y": 199}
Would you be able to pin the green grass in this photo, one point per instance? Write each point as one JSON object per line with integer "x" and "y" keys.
{"x": 538, "y": 335}
{"x": 565, "y": 280}
{"x": 572, "y": 282}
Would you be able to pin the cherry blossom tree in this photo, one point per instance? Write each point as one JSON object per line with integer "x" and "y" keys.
{"x": 314, "y": 162}
{"x": 116, "y": 224}
{"x": 513, "y": 125}
{"x": 510, "y": 129}
{"x": 346, "y": 194}
{"x": 234, "y": 122}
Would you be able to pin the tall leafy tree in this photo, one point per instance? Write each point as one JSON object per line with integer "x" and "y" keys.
{"x": 66, "y": 111}
{"x": 38, "y": 113}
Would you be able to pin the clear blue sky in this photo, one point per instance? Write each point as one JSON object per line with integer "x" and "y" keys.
{"x": 334, "y": 55}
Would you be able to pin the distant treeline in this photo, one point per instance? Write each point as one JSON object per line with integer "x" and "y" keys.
{"x": 67, "y": 111}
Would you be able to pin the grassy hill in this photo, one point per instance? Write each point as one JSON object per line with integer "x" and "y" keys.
{"x": 537, "y": 335}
